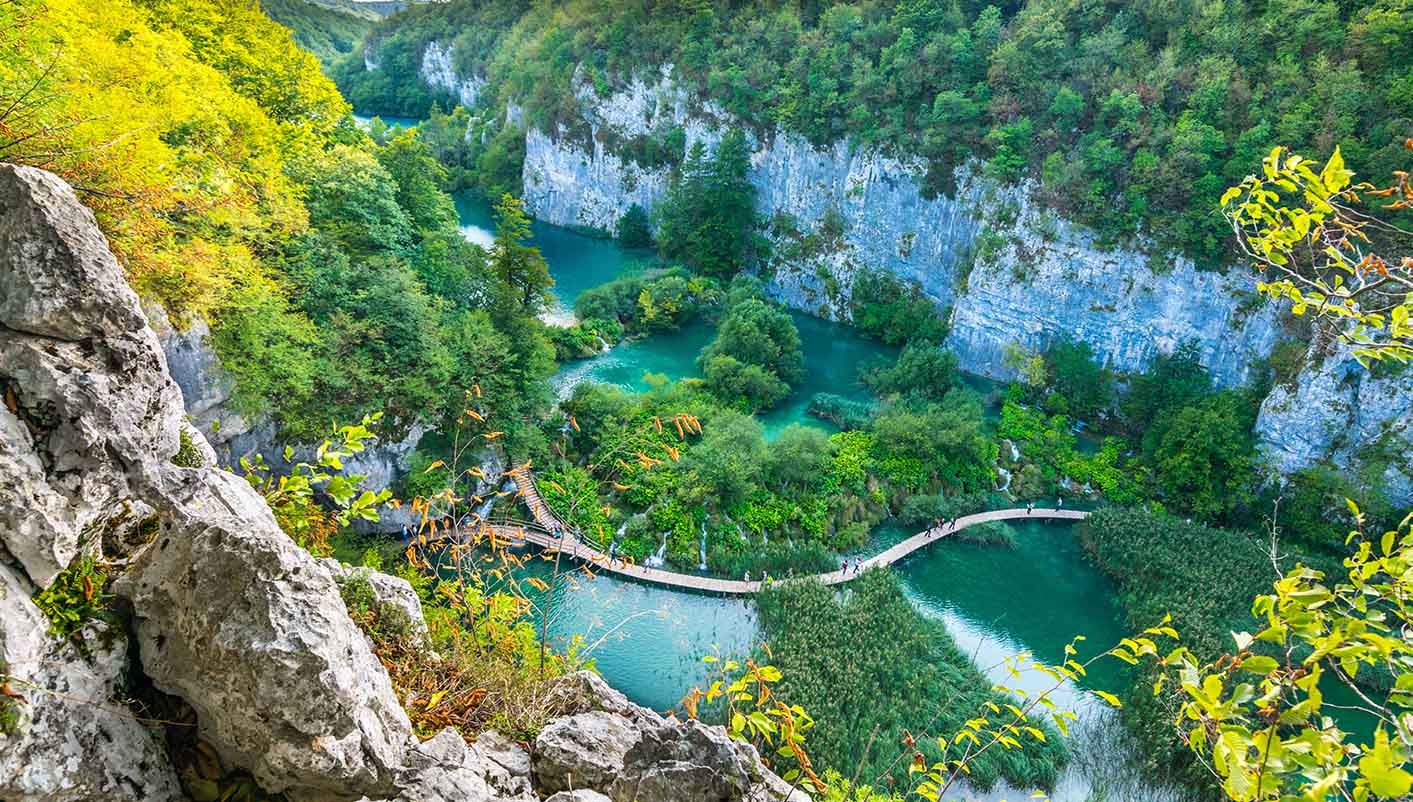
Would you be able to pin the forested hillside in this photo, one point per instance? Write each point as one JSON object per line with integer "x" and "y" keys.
{"x": 327, "y": 32}
{"x": 234, "y": 186}
{"x": 1133, "y": 116}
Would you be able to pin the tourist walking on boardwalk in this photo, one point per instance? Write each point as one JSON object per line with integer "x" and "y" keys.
{"x": 1029, "y": 505}
{"x": 1059, "y": 502}
{"x": 844, "y": 567}
{"x": 747, "y": 577}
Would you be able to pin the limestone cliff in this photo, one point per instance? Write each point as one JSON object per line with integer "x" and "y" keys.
{"x": 1338, "y": 412}
{"x": 1006, "y": 268}
{"x": 220, "y": 613}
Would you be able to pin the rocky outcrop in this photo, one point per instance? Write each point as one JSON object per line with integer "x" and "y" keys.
{"x": 251, "y": 631}
{"x": 1336, "y": 411}
{"x": 64, "y": 738}
{"x": 588, "y": 750}
{"x": 89, "y": 415}
{"x": 628, "y": 753}
{"x": 439, "y": 72}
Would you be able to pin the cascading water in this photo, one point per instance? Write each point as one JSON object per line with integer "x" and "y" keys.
{"x": 1015, "y": 452}
{"x": 701, "y": 550}
{"x": 659, "y": 558}
{"x": 1005, "y": 474}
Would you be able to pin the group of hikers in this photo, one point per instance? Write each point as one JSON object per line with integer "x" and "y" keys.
{"x": 942, "y": 524}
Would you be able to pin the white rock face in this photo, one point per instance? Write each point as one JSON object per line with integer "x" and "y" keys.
{"x": 1050, "y": 279}
{"x": 1341, "y": 413}
{"x": 71, "y": 741}
{"x": 1044, "y": 286}
{"x": 628, "y": 753}
{"x": 438, "y": 71}
{"x": 250, "y": 630}
{"x": 89, "y": 414}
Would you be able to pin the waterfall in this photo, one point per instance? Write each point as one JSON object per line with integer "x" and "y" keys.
{"x": 484, "y": 508}
{"x": 603, "y": 344}
{"x": 1015, "y": 452}
{"x": 660, "y": 557}
{"x": 1007, "y": 476}
{"x": 701, "y": 550}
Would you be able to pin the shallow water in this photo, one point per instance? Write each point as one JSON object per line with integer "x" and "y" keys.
{"x": 995, "y": 602}
{"x": 392, "y": 122}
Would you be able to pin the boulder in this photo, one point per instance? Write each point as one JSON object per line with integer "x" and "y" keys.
{"x": 89, "y": 414}
{"x": 586, "y": 750}
{"x": 251, "y": 631}
{"x": 443, "y": 769}
{"x": 394, "y": 596}
{"x": 665, "y": 759}
{"x": 687, "y": 762}
{"x": 65, "y": 739}
{"x": 507, "y": 766}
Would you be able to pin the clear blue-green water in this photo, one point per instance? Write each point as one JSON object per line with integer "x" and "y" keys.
{"x": 834, "y": 354}
{"x": 576, "y": 261}
{"x": 392, "y": 122}
{"x": 648, "y": 641}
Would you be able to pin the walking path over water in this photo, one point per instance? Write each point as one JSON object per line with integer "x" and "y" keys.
{"x": 546, "y": 524}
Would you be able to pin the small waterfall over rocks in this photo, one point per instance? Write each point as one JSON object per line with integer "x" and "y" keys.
{"x": 659, "y": 558}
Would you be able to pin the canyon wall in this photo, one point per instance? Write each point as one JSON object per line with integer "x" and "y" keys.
{"x": 1336, "y": 411}
{"x": 1004, "y": 267}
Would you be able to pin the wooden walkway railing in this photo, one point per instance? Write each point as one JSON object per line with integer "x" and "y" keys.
{"x": 569, "y": 543}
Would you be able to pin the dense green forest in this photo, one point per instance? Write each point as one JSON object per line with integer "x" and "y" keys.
{"x": 240, "y": 192}
{"x": 328, "y": 33}
{"x": 1132, "y": 116}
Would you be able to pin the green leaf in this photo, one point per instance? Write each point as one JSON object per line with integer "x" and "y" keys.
{"x": 1259, "y": 664}
{"x": 1110, "y": 698}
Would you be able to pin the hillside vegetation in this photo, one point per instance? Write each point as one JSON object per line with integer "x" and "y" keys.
{"x": 1133, "y": 116}
{"x": 324, "y": 31}
{"x": 235, "y": 188}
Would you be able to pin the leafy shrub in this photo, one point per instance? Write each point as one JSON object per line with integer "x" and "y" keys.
{"x": 188, "y": 455}
{"x": 75, "y": 597}
{"x": 894, "y": 312}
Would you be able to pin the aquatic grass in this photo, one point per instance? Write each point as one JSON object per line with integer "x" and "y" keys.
{"x": 873, "y": 671}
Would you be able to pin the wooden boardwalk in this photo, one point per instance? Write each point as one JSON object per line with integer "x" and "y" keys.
{"x": 569, "y": 543}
